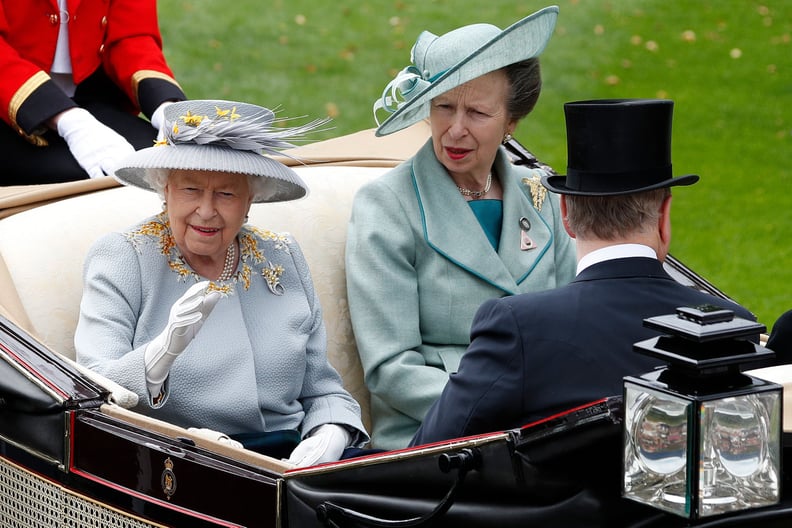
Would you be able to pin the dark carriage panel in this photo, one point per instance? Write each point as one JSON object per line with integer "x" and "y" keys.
{"x": 153, "y": 473}
{"x": 536, "y": 476}
{"x": 407, "y": 487}
{"x": 37, "y": 390}
{"x": 562, "y": 471}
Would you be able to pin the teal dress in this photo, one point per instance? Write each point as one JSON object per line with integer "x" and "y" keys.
{"x": 489, "y": 214}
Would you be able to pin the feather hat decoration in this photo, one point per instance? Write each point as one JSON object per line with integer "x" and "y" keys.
{"x": 221, "y": 136}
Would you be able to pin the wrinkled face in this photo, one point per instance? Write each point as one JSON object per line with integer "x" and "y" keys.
{"x": 468, "y": 124}
{"x": 206, "y": 211}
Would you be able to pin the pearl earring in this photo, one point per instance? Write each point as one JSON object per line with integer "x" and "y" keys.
{"x": 507, "y": 138}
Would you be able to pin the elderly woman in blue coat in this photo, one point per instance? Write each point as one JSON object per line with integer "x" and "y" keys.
{"x": 215, "y": 323}
{"x": 456, "y": 224}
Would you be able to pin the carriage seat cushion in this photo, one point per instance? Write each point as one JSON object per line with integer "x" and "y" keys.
{"x": 42, "y": 252}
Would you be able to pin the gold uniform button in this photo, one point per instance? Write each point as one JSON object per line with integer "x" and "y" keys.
{"x": 101, "y": 49}
{"x": 53, "y": 20}
{"x": 104, "y": 21}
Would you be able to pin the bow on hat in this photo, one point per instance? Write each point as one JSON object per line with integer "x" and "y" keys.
{"x": 441, "y": 63}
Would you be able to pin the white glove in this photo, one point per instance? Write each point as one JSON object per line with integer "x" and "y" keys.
{"x": 158, "y": 119}
{"x": 97, "y": 148}
{"x": 187, "y": 315}
{"x": 326, "y": 443}
{"x": 217, "y": 436}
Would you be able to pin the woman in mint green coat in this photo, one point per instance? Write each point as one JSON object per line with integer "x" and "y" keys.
{"x": 453, "y": 226}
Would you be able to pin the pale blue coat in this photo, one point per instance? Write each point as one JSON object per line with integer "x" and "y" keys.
{"x": 418, "y": 267}
{"x": 258, "y": 363}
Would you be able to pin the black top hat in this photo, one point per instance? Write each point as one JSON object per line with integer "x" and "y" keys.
{"x": 617, "y": 146}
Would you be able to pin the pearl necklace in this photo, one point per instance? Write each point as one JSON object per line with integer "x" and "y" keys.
{"x": 477, "y": 194}
{"x": 228, "y": 265}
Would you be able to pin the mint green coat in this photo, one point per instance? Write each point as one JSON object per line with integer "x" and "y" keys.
{"x": 418, "y": 267}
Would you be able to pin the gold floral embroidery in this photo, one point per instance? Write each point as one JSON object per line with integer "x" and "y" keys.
{"x": 272, "y": 275}
{"x": 250, "y": 254}
{"x": 244, "y": 277}
{"x": 223, "y": 289}
{"x": 280, "y": 240}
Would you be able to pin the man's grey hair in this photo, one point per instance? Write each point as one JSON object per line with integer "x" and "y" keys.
{"x": 615, "y": 217}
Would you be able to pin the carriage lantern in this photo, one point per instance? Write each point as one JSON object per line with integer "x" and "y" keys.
{"x": 701, "y": 438}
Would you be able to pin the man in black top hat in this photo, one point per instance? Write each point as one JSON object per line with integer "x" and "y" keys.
{"x": 538, "y": 354}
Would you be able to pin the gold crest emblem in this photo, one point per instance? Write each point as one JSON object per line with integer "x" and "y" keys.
{"x": 168, "y": 479}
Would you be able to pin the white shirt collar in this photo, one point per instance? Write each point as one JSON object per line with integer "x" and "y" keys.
{"x": 615, "y": 252}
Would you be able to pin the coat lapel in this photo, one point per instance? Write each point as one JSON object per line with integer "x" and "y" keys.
{"x": 517, "y": 205}
{"x": 451, "y": 228}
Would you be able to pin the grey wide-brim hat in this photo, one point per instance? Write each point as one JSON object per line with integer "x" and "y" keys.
{"x": 220, "y": 136}
{"x": 442, "y": 63}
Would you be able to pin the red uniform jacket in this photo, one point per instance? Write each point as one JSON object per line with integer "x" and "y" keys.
{"x": 120, "y": 36}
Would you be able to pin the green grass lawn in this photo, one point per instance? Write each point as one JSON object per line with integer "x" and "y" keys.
{"x": 727, "y": 64}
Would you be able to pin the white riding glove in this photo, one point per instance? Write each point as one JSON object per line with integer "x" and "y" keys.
{"x": 97, "y": 148}
{"x": 325, "y": 443}
{"x": 187, "y": 315}
{"x": 217, "y": 436}
{"x": 158, "y": 119}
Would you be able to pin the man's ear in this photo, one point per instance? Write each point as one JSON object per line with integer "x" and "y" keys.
{"x": 664, "y": 222}
{"x": 564, "y": 217}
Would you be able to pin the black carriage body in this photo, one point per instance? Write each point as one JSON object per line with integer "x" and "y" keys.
{"x": 555, "y": 472}
{"x": 563, "y": 471}
{"x": 63, "y": 462}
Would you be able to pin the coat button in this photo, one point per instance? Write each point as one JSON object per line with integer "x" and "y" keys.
{"x": 104, "y": 21}
{"x": 101, "y": 49}
{"x": 53, "y": 20}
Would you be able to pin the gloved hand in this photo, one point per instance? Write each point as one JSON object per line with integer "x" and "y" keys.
{"x": 158, "y": 119}
{"x": 97, "y": 148}
{"x": 325, "y": 443}
{"x": 187, "y": 315}
{"x": 217, "y": 436}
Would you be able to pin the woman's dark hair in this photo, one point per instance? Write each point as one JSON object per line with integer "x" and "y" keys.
{"x": 525, "y": 79}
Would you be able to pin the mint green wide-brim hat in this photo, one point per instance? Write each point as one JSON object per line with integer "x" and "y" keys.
{"x": 220, "y": 136}
{"x": 442, "y": 63}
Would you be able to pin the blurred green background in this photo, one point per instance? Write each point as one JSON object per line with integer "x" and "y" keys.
{"x": 727, "y": 64}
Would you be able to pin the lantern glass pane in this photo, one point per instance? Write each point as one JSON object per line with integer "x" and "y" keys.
{"x": 740, "y": 453}
{"x": 656, "y": 449}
